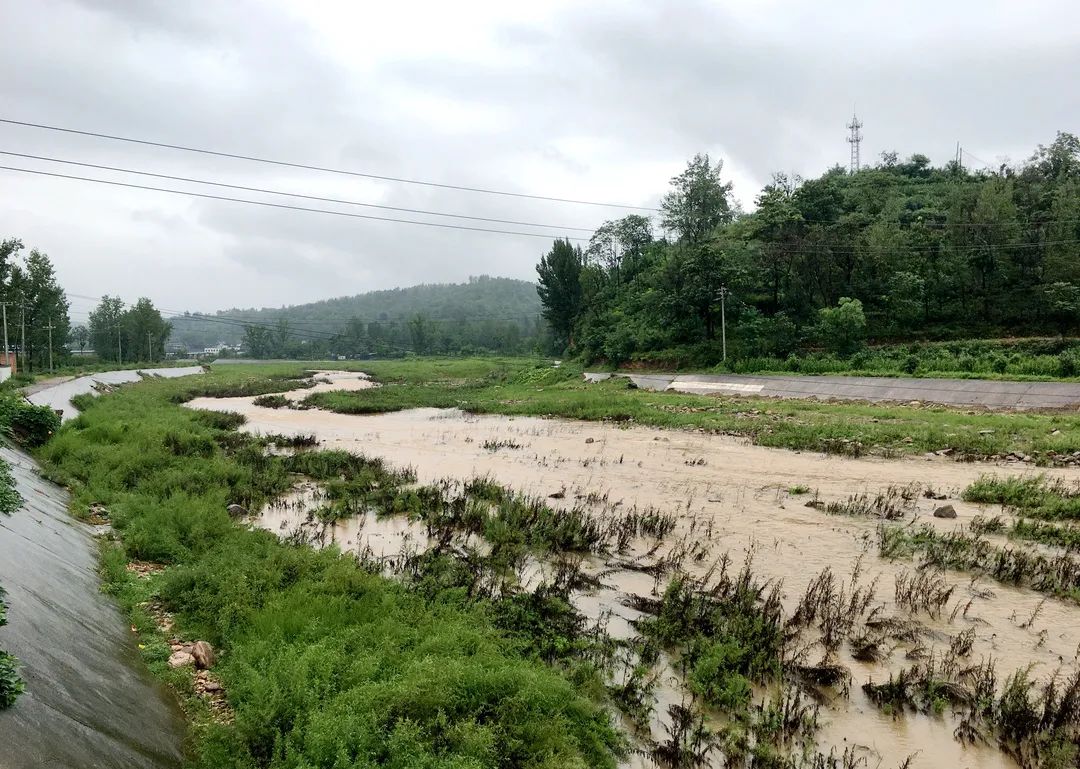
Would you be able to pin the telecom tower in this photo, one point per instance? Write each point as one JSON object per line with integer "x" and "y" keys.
{"x": 854, "y": 140}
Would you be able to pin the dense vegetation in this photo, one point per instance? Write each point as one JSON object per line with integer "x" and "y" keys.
{"x": 484, "y": 314}
{"x": 325, "y": 662}
{"x": 899, "y": 250}
{"x": 1015, "y": 359}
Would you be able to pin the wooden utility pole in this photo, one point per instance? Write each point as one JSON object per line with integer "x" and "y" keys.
{"x": 119, "y": 346}
{"x": 723, "y": 318}
{"x": 7, "y": 350}
{"x": 22, "y": 344}
{"x": 149, "y": 347}
{"x": 50, "y": 327}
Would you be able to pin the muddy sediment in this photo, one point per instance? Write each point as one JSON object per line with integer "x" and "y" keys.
{"x": 740, "y": 498}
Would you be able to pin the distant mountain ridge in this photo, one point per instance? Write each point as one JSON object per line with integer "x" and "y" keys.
{"x": 481, "y": 298}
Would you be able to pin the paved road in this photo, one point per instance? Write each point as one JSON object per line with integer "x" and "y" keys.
{"x": 952, "y": 392}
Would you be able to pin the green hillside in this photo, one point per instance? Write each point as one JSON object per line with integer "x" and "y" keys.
{"x": 485, "y": 313}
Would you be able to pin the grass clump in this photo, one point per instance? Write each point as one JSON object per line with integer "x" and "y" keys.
{"x": 1057, "y": 575}
{"x": 323, "y": 660}
{"x": 1035, "y": 496}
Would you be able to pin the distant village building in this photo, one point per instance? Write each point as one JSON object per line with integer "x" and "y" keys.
{"x": 217, "y": 349}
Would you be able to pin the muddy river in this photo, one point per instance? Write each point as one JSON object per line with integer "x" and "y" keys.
{"x": 737, "y": 497}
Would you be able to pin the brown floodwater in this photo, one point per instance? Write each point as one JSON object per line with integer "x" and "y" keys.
{"x": 728, "y": 494}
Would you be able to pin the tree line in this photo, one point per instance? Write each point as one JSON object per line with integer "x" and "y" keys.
{"x": 900, "y": 250}
{"x": 419, "y": 333}
{"x": 40, "y": 332}
{"x": 36, "y": 307}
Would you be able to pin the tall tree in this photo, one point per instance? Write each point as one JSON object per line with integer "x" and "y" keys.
{"x": 107, "y": 329}
{"x": 560, "y": 289}
{"x": 146, "y": 332}
{"x": 698, "y": 202}
{"x": 421, "y": 332}
{"x": 258, "y": 342}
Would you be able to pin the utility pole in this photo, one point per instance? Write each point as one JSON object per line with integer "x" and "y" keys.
{"x": 855, "y": 139}
{"x": 150, "y": 347}
{"x": 22, "y": 344}
{"x": 723, "y": 292}
{"x": 119, "y": 346}
{"x": 7, "y": 350}
{"x": 50, "y": 327}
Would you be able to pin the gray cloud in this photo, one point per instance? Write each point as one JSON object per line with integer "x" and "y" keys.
{"x": 599, "y": 101}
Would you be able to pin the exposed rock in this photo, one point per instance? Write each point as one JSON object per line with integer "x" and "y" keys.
{"x": 237, "y": 511}
{"x": 945, "y": 511}
{"x": 181, "y": 659}
{"x": 203, "y": 654}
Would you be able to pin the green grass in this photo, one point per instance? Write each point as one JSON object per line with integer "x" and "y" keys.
{"x": 522, "y": 387}
{"x": 325, "y": 663}
{"x": 1034, "y": 496}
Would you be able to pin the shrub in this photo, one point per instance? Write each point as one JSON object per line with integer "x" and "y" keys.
{"x": 1069, "y": 362}
{"x": 26, "y": 423}
{"x": 843, "y": 328}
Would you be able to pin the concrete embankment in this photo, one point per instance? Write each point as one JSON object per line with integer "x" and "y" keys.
{"x": 58, "y": 394}
{"x": 89, "y": 700}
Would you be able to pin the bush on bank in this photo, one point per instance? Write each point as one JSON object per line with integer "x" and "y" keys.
{"x": 25, "y": 423}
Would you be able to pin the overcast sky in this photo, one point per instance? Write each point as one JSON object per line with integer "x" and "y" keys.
{"x": 601, "y": 101}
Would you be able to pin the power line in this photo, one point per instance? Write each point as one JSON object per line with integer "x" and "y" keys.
{"x": 289, "y": 164}
{"x": 289, "y": 194}
{"x": 546, "y": 236}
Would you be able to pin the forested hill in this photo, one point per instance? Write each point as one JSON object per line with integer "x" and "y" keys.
{"x": 895, "y": 251}
{"x": 446, "y": 309}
